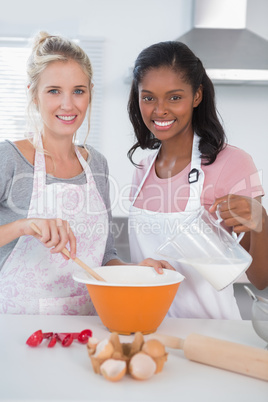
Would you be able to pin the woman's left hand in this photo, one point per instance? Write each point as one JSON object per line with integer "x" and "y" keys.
{"x": 242, "y": 213}
{"x": 158, "y": 265}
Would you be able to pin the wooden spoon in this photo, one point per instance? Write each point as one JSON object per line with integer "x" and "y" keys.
{"x": 66, "y": 252}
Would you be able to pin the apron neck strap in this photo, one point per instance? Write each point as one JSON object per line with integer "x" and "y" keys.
{"x": 145, "y": 176}
{"x": 196, "y": 177}
{"x": 40, "y": 163}
{"x": 196, "y": 187}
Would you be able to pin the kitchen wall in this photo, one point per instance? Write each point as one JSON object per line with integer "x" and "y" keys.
{"x": 244, "y": 108}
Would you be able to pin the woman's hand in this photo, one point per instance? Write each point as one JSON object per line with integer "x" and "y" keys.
{"x": 245, "y": 214}
{"x": 242, "y": 213}
{"x": 55, "y": 234}
{"x": 158, "y": 265}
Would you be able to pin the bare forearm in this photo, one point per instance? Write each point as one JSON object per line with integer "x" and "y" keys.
{"x": 158, "y": 265}
{"x": 258, "y": 271}
{"x": 54, "y": 233}
{"x": 11, "y": 231}
{"x": 116, "y": 261}
{"x": 245, "y": 214}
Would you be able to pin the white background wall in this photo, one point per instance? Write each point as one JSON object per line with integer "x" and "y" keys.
{"x": 128, "y": 26}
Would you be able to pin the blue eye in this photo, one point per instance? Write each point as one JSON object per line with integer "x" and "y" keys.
{"x": 54, "y": 91}
{"x": 78, "y": 91}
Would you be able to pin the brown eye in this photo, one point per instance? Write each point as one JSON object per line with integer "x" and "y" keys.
{"x": 147, "y": 98}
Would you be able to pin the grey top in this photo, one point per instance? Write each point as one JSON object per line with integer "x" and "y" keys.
{"x": 16, "y": 184}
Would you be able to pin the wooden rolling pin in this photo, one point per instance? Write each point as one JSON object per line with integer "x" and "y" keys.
{"x": 226, "y": 355}
{"x": 66, "y": 252}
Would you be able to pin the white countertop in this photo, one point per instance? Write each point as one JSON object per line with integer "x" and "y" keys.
{"x": 66, "y": 374}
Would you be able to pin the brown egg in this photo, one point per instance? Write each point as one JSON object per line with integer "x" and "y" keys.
{"x": 113, "y": 370}
{"x": 157, "y": 351}
{"x": 154, "y": 348}
{"x": 92, "y": 344}
{"x": 142, "y": 366}
{"x": 104, "y": 349}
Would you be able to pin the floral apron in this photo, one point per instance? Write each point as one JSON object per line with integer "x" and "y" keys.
{"x": 34, "y": 281}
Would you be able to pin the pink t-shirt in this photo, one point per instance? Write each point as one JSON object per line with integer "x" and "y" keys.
{"x": 233, "y": 172}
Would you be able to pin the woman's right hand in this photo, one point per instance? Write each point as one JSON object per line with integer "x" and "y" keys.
{"x": 55, "y": 234}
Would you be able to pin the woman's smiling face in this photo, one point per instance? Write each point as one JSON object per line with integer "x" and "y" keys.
{"x": 63, "y": 97}
{"x": 166, "y": 103}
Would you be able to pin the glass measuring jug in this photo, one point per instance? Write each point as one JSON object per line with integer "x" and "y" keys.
{"x": 202, "y": 242}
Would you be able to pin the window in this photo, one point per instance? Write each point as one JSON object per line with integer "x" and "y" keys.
{"x": 14, "y": 53}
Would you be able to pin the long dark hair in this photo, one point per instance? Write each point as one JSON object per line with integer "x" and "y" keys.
{"x": 205, "y": 121}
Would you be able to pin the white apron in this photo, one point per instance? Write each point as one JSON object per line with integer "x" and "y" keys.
{"x": 195, "y": 298}
{"x": 34, "y": 281}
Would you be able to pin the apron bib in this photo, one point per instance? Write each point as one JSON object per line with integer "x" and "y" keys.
{"x": 34, "y": 281}
{"x": 196, "y": 298}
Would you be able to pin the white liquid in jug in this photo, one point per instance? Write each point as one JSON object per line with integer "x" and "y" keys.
{"x": 219, "y": 275}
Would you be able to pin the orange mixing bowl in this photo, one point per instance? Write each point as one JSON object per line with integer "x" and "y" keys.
{"x": 133, "y": 298}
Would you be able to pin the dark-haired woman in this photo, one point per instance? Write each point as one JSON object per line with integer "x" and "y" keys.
{"x": 172, "y": 109}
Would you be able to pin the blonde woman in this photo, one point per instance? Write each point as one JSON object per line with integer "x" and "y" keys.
{"x": 61, "y": 188}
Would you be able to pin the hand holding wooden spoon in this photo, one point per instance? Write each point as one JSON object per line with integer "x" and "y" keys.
{"x": 66, "y": 252}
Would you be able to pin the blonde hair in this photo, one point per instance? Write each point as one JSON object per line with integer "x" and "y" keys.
{"x": 47, "y": 49}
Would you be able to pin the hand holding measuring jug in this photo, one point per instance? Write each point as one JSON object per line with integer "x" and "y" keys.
{"x": 239, "y": 212}
{"x": 203, "y": 243}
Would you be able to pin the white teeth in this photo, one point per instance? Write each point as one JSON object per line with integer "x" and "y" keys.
{"x": 163, "y": 123}
{"x": 66, "y": 117}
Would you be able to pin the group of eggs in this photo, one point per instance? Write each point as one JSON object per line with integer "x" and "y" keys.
{"x": 112, "y": 359}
